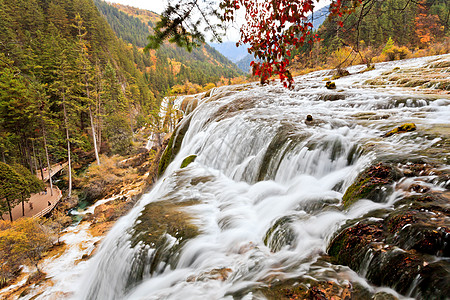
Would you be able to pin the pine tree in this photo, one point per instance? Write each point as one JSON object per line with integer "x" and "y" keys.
{"x": 11, "y": 188}
{"x": 86, "y": 67}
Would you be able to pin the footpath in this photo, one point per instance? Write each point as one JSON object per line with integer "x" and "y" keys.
{"x": 41, "y": 203}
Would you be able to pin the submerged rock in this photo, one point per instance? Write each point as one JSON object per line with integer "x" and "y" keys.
{"x": 407, "y": 127}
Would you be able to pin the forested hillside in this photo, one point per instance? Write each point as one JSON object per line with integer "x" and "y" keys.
{"x": 169, "y": 65}
{"x": 381, "y": 30}
{"x": 67, "y": 84}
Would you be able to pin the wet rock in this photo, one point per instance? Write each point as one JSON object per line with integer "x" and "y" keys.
{"x": 400, "y": 248}
{"x": 165, "y": 227}
{"x": 174, "y": 145}
{"x": 187, "y": 161}
{"x": 308, "y": 288}
{"x": 280, "y": 234}
{"x": 161, "y": 218}
{"x": 418, "y": 188}
{"x": 373, "y": 184}
{"x": 383, "y": 296}
{"x": 340, "y": 73}
{"x": 232, "y": 108}
{"x": 407, "y": 127}
{"x": 330, "y": 85}
{"x": 309, "y": 118}
{"x": 332, "y": 97}
{"x": 189, "y": 104}
{"x": 215, "y": 274}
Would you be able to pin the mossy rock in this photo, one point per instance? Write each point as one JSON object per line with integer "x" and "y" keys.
{"x": 340, "y": 73}
{"x": 309, "y": 288}
{"x": 395, "y": 247}
{"x": 159, "y": 218}
{"x": 174, "y": 145}
{"x": 187, "y": 161}
{"x": 164, "y": 227}
{"x": 280, "y": 234}
{"x": 283, "y": 141}
{"x": 407, "y": 127}
{"x": 330, "y": 85}
{"x": 373, "y": 184}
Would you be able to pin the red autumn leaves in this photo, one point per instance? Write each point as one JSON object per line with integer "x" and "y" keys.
{"x": 274, "y": 28}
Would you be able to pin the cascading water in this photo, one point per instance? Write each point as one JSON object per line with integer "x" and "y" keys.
{"x": 262, "y": 199}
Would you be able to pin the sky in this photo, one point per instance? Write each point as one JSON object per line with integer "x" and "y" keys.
{"x": 158, "y": 6}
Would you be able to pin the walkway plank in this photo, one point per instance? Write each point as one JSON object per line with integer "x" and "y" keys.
{"x": 38, "y": 205}
{"x": 55, "y": 169}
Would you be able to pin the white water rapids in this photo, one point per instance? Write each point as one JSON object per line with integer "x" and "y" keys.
{"x": 262, "y": 163}
{"x": 258, "y": 163}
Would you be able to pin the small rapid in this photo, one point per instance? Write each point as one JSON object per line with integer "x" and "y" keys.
{"x": 262, "y": 200}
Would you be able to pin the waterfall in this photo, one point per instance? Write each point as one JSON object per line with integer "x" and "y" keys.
{"x": 262, "y": 200}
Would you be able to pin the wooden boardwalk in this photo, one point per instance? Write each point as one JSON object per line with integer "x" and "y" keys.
{"x": 55, "y": 169}
{"x": 41, "y": 203}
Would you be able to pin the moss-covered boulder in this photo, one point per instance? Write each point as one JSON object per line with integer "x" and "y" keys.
{"x": 163, "y": 217}
{"x": 174, "y": 145}
{"x": 330, "y": 85}
{"x": 407, "y": 127}
{"x": 187, "y": 161}
{"x": 400, "y": 248}
{"x": 374, "y": 184}
{"x": 165, "y": 227}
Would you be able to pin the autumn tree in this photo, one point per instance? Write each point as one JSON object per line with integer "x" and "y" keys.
{"x": 25, "y": 241}
{"x": 426, "y": 24}
{"x": 271, "y": 28}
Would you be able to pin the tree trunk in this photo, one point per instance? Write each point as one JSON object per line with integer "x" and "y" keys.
{"x": 68, "y": 147}
{"x": 93, "y": 136}
{"x": 23, "y": 207}
{"x": 34, "y": 156}
{"x": 98, "y": 107}
{"x": 28, "y": 155}
{"x": 42, "y": 171}
{"x": 9, "y": 210}
{"x": 48, "y": 161}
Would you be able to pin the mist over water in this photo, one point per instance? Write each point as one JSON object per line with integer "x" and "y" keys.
{"x": 265, "y": 189}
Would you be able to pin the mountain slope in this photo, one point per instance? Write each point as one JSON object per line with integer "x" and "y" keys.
{"x": 67, "y": 84}
{"x": 172, "y": 64}
{"x": 230, "y": 51}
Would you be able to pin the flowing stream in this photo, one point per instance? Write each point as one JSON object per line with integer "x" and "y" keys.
{"x": 262, "y": 200}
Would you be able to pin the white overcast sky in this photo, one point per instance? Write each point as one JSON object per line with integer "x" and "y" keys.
{"x": 158, "y": 6}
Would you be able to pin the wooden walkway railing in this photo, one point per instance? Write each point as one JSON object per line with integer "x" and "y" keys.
{"x": 49, "y": 208}
{"x": 55, "y": 169}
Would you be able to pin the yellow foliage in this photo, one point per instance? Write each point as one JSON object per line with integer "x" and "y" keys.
{"x": 25, "y": 240}
{"x": 340, "y": 55}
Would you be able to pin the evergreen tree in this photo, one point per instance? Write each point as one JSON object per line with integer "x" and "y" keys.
{"x": 12, "y": 185}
